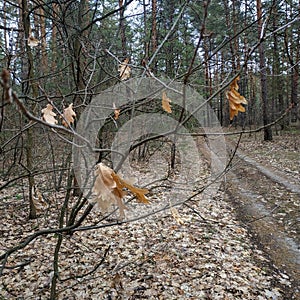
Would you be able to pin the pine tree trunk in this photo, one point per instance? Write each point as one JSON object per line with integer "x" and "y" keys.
{"x": 263, "y": 79}
{"x": 154, "y": 31}
{"x": 122, "y": 28}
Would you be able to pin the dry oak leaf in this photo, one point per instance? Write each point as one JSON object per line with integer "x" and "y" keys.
{"x": 165, "y": 103}
{"x": 68, "y": 116}
{"x": 38, "y": 200}
{"x": 116, "y": 112}
{"x": 49, "y": 115}
{"x": 138, "y": 192}
{"x": 176, "y": 216}
{"x": 33, "y": 42}
{"x": 109, "y": 188}
{"x": 124, "y": 69}
{"x": 235, "y": 99}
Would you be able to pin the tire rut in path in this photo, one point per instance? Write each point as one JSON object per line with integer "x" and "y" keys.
{"x": 268, "y": 202}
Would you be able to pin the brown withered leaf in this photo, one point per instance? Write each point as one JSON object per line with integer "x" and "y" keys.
{"x": 165, "y": 103}
{"x": 109, "y": 190}
{"x": 105, "y": 189}
{"x": 68, "y": 116}
{"x": 138, "y": 192}
{"x": 33, "y": 42}
{"x": 124, "y": 69}
{"x": 49, "y": 115}
{"x": 38, "y": 200}
{"x": 235, "y": 99}
{"x": 116, "y": 112}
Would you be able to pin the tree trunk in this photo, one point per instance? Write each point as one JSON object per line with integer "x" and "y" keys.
{"x": 263, "y": 79}
{"x": 229, "y": 21}
{"x": 154, "y": 31}
{"x": 54, "y": 38}
{"x": 277, "y": 82}
{"x": 32, "y": 87}
{"x": 44, "y": 65}
{"x": 122, "y": 29}
{"x": 79, "y": 66}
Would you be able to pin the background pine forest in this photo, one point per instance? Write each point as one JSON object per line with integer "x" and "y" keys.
{"x": 68, "y": 51}
{"x": 82, "y": 42}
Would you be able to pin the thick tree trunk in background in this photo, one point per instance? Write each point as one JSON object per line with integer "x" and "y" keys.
{"x": 40, "y": 34}
{"x": 294, "y": 92}
{"x": 154, "y": 31}
{"x": 222, "y": 102}
{"x": 44, "y": 59}
{"x": 295, "y": 84}
{"x": 235, "y": 11}
{"x": 79, "y": 65}
{"x": 54, "y": 38}
{"x": 32, "y": 88}
{"x": 146, "y": 43}
{"x": 207, "y": 74}
{"x": 122, "y": 29}
{"x": 5, "y": 34}
{"x": 154, "y": 26}
{"x": 277, "y": 82}
{"x": 263, "y": 79}
{"x": 293, "y": 52}
{"x": 230, "y": 22}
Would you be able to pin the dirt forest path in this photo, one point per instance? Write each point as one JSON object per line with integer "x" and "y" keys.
{"x": 240, "y": 244}
{"x": 267, "y": 200}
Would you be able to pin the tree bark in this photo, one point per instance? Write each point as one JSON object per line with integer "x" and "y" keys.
{"x": 263, "y": 78}
{"x": 154, "y": 31}
{"x": 122, "y": 29}
{"x": 44, "y": 65}
{"x": 34, "y": 90}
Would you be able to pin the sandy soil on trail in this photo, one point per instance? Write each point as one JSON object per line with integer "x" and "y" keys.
{"x": 282, "y": 154}
{"x": 264, "y": 187}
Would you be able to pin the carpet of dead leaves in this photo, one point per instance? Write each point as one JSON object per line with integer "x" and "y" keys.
{"x": 209, "y": 255}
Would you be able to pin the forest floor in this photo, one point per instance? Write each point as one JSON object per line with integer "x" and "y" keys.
{"x": 209, "y": 252}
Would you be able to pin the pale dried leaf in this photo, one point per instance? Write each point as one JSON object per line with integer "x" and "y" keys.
{"x": 105, "y": 190}
{"x": 38, "y": 200}
{"x": 116, "y": 112}
{"x": 165, "y": 103}
{"x": 109, "y": 188}
{"x": 68, "y": 116}
{"x": 49, "y": 115}
{"x": 124, "y": 70}
{"x": 33, "y": 42}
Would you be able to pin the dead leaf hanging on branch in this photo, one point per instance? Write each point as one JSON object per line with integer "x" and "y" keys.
{"x": 124, "y": 69}
{"x": 116, "y": 112}
{"x": 38, "y": 200}
{"x": 49, "y": 115}
{"x": 33, "y": 42}
{"x": 68, "y": 116}
{"x": 138, "y": 192}
{"x": 109, "y": 189}
{"x": 235, "y": 99}
{"x": 165, "y": 103}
